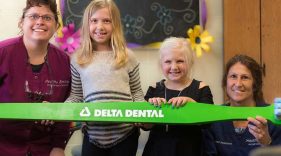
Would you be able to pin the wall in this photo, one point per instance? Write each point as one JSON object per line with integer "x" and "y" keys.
{"x": 10, "y": 12}
{"x": 207, "y": 68}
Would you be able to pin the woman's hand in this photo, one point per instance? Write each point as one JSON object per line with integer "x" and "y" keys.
{"x": 259, "y": 129}
{"x": 45, "y": 122}
{"x": 180, "y": 101}
{"x": 145, "y": 126}
{"x": 157, "y": 101}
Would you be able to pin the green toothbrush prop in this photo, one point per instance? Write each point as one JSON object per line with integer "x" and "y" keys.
{"x": 143, "y": 112}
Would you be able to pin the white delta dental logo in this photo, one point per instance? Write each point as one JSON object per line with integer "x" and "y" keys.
{"x": 85, "y": 112}
{"x": 125, "y": 113}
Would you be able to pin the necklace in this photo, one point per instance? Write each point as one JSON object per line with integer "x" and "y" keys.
{"x": 239, "y": 130}
{"x": 167, "y": 126}
{"x": 166, "y": 93}
{"x": 185, "y": 85}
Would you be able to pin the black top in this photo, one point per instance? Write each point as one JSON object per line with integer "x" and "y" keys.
{"x": 176, "y": 140}
{"x": 2, "y": 78}
{"x": 36, "y": 68}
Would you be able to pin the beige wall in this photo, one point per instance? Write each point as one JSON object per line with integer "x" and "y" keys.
{"x": 10, "y": 12}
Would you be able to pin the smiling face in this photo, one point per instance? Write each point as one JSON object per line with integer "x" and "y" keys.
{"x": 174, "y": 65}
{"x": 38, "y": 29}
{"x": 239, "y": 85}
{"x": 101, "y": 28}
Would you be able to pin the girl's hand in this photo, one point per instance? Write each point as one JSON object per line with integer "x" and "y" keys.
{"x": 157, "y": 101}
{"x": 57, "y": 152}
{"x": 180, "y": 101}
{"x": 259, "y": 129}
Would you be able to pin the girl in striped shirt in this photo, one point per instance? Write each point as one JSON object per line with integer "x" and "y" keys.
{"x": 103, "y": 70}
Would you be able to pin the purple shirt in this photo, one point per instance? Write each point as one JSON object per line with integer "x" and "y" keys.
{"x": 19, "y": 137}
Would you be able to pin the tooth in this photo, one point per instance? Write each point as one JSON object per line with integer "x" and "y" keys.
{"x": 39, "y": 30}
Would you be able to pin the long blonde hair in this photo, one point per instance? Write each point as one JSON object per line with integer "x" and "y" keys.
{"x": 118, "y": 42}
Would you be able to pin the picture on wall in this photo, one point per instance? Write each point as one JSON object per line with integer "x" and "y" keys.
{"x": 144, "y": 21}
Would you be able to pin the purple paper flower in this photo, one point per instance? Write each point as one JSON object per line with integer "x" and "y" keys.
{"x": 70, "y": 40}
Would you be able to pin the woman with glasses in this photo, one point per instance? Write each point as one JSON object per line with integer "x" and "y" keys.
{"x": 33, "y": 70}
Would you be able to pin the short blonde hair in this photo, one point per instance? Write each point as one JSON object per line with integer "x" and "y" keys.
{"x": 182, "y": 45}
{"x": 118, "y": 42}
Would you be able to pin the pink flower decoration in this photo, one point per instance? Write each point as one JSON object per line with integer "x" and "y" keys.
{"x": 70, "y": 40}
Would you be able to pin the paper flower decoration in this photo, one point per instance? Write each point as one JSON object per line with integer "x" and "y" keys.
{"x": 70, "y": 39}
{"x": 199, "y": 40}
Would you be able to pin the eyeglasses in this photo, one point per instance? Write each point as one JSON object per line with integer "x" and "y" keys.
{"x": 39, "y": 95}
{"x": 35, "y": 17}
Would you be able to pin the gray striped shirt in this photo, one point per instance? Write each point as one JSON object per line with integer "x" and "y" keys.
{"x": 101, "y": 82}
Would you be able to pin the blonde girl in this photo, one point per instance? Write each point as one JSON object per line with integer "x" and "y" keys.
{"x": 178, "y": 87}
{"x": 104, "y": 69}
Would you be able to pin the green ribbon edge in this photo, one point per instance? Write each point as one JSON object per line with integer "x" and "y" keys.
{"x": 191, "y": 113}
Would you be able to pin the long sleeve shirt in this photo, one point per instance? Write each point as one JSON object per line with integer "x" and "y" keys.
{"x": 100, "y": 81}
{"x": 20, "y": 137}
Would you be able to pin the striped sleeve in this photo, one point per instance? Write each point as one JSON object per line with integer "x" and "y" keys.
{"x": 135, "y": 84}
{"x": 76, "y": 94}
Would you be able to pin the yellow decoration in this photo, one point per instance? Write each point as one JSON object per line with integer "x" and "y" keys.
{"x": 199, "y": 40}
{"x": 59, "y": 31}
{"x": 154, "y": 45}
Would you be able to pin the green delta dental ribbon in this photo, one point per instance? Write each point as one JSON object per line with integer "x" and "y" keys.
{"x": 133, "y": 112}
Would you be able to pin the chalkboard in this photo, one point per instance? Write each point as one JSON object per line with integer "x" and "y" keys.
{"x": 144, "y": 21}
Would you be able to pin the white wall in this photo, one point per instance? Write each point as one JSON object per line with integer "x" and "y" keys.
{"x": 209, "y": 68}
{"x": 10, "y": 13}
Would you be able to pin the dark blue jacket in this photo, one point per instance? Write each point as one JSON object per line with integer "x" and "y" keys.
{"x": 222, "y": 140}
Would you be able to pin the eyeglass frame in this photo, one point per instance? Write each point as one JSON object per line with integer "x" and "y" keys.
{"x": 36, "y": 17}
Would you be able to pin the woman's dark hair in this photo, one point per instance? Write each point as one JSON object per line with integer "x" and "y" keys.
{"x": 51, "y": 3}
{"x": 256, "y": 72}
